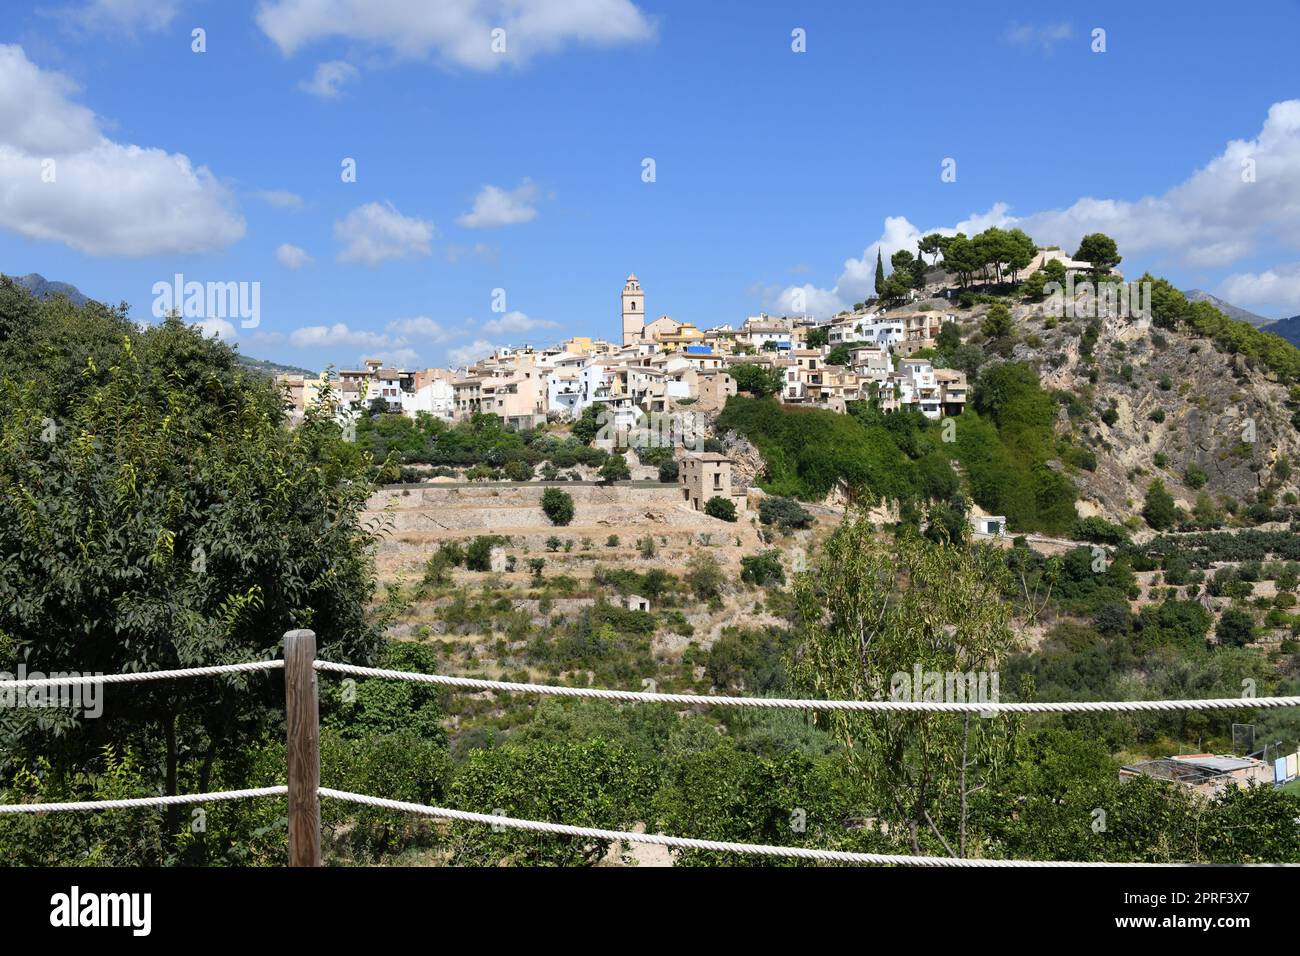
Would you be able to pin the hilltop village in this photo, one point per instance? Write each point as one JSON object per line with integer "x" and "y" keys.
{"x": 664, "y": 365}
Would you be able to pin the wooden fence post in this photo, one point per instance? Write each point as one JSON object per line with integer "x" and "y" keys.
{"x": 302, "y": 720}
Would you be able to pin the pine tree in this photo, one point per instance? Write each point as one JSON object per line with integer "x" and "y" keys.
{"x": 880, "y": 274}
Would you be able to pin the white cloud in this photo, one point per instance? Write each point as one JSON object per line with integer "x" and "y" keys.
{"x": 292, "y": 257}
{"x": 514, "y": 323}
{"x": 328, "y": 80}
{"x": 396, "y": 358}
{"x": 1044, "y": 37}
{"x": 1246, "y": 197}
{"x": 376, "y": 232}
{"x": 420, "y": 328}
{"x": 1279, "y": 286}
{"x": 317, "y": 336}
{"x": 494, "y": 207}
{"x": 280, "y": 199}
{"x": 456, "y": 32}
{"x": 468, "y": 354}
{"x": 106, "y": 198}
{"x": 481, "y": 251}
{"x": 399, "y": 344}
{"x": 218, "y": 328}
{"x": 123, "y": 16}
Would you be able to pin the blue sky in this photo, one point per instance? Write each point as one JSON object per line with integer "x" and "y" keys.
{"x": 773, "y": 169}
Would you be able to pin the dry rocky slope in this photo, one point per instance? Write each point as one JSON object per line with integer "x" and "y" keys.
{"x": 1221, "y": 414}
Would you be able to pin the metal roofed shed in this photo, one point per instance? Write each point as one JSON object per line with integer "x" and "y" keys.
{"x": 1207, "y": 774}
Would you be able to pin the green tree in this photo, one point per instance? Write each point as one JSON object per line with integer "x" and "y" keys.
{"x": 930, "y": 245}
{"x": 1158, "y": 508}
{"x": 156, "y": 512}
{"x": 588, "y": 424}
{"x": 558, "y": 506}
{"x": 1236, "y": 628}
{"x": 785, "y": 513}
{"x": 615, "y": 469}
{"x": 760, "y": 380}
{"x": 874, "y": 612}
{"x": 704, "y": 576}
{"x": 591, "y": 783}
{"x": 880, "y": 274}
{"x": 1100, "y": 250}
{"x": 720, "y": 507}
{"x": 762, "y": 569}
{"x": 997, "y": 323}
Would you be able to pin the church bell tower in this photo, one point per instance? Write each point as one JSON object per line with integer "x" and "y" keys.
{"x": 633, "y": 311}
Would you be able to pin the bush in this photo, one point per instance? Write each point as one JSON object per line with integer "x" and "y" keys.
{"x": 668, "y": 472}
{"x": 785, "y": 513}
{"x": 478, "y": 555}
{"x": 1098, "y": 529}
{"x": 615, "y": 469}
{"x": 558, "y": 506}
{"x": 1235, "y": 629}
{"x": 518, "y": 470}
{"x": 704, "y": 576}
{"x": 1159, "y": 509}
{"x": 762, "y": 569}
{"x": 719, "y": 507}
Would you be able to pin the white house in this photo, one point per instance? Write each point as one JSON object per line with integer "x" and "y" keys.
{"x": 438, "y": 398}
{"x": 993, "y": 525}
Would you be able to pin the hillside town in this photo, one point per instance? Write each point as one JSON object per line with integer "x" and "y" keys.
{"x": 664, "y": 365}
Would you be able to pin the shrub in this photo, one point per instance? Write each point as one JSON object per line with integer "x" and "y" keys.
{"x": 518, "y": 470}
{"x": 558, "y": 506}
{"x": 1235, "y": 629}
{"x": 762, "y": 569}
{"x": 719, "y": 507}
{"x": 1159, "y": 509}
{"x": 704, "y": 576}
{"x": 478, "y": 555}
{"x": 1195, "y": 477}
{"x": 785, "y": 513}
{"x": 615, "y": 469}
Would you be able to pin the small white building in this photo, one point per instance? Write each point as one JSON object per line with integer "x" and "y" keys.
{"x": 993, "y": 525}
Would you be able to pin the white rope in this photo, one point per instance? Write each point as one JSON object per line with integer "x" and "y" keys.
{"x": 93, "y": 805}
{"x": 968, "y": 707}
{"x": 131, "y": 678}
{"x": 684, "y": 843}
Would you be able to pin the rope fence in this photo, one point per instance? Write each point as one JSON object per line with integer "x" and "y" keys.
{"x": 685, "y": 843}
{"x": 959, "y": 707}
{"x": 303, "y": 789}
{"x": 138, "y": 676}
{"x": 91, "y": 806}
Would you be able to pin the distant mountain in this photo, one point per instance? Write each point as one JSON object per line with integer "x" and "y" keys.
{"x": 273, "y": 368}
{"x": 43, "y": 288}
{"x": 1288, "y": 329}
{"x": 1227, "y": 308}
